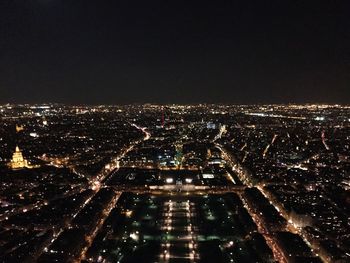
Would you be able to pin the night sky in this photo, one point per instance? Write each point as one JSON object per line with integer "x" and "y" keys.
{"x": 120, "y": 52}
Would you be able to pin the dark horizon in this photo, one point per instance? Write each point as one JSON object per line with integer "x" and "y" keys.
{"x": 117, "y": 53}
{"x": 175, "y": 104}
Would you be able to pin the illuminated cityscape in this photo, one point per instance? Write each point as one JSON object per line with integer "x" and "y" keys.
{"x": 175, "y": 183}
{"x": 174, "y": 131}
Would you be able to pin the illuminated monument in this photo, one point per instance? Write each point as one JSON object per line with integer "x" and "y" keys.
{"x": 18, "y": 162}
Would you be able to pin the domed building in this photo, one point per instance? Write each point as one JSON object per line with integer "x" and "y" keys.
{"x": 18, "y": 161}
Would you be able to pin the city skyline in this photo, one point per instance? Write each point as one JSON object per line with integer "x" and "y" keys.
{"x": 173, "y": 131}
{"x": 174, "y": 183}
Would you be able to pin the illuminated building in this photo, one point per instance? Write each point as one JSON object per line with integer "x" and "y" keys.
{"x": 19, "y": 128}
{"x": 18, "y": 162}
